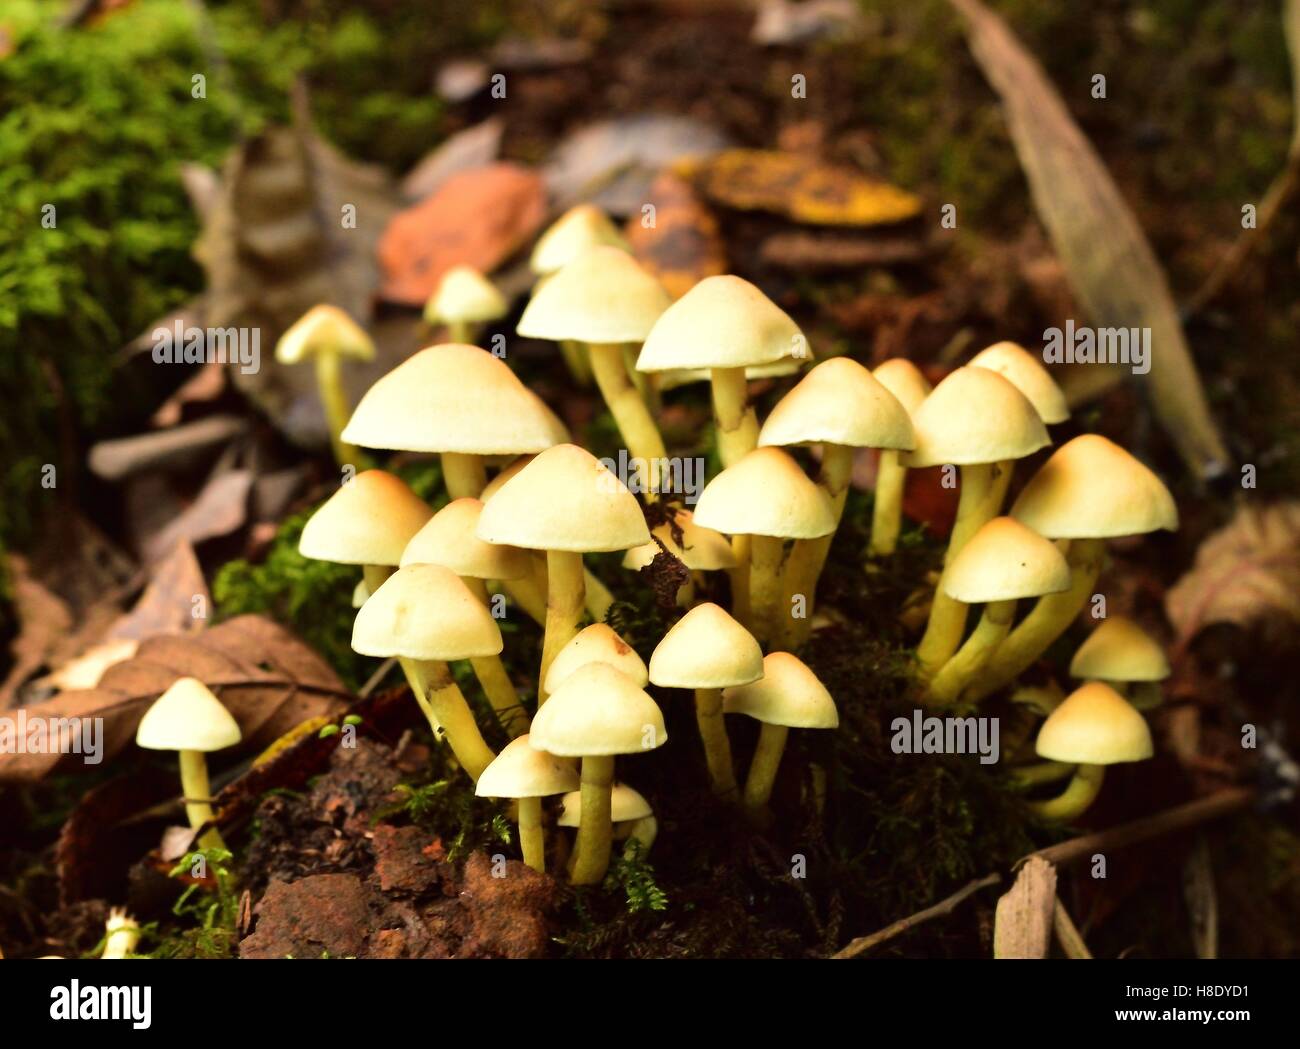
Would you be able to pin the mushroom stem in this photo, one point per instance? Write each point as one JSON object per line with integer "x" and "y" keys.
{"x": 762, "y": 769}
{"x": 976, "y": 506}
{"x": 741, "y": 605}
{"x": 565, "y": 592}
{"x": 529, "y": 593}
{"x": 954, "y": 675}
{"x": 887, "y": 512}
{"x": 532, "y": 841}
{"x": 494, "y": 679}
{"x": 460, "y": 331}
{"x": 463, "y": 474}
{"x": 808, "y": 557}
{"x": 643, "y": 832}
{"x": 598, "y": 597}
{"x": 1081, "y": 792}
{"x": 329, "y": 384}
{"x": 1144, "y": 695}
{"x": 413, "y": 680}
{"x": 595, "y": 828}
{"x": 576, "y": 360}
{"x": 765, "y": 591}
{"x": 198, "y": 797}
{"x": 734, "y": 419}
{"x": 1042, "y": 772}
{"x": 448, "y": 705}
{"x": 713, "y": 733}
{"x": 630, "y": 413}
{"x": 1048, "y": 620}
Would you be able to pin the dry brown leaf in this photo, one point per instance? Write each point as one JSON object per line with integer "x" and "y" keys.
{"x": 801, "y": 188}
{"x": 1023, "y": 923}
{"x": 206, "y": 384}
{"x": 1243, "y": 572}
{"x": 44, "y": 619}
{"x": 476, "y": 218}
{"x": 221, "y": 507}
{"x": 683, "y": 246}
{"x": 265, "y": 676}
{"x": 1113, "y": 270}
{"x": 168, "y": 603}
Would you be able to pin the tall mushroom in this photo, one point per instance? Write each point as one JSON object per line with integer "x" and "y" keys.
{"x": 1089, "y": 491}
{"x": 1093, "y": 727}
{"x": 768, "y": 497}
{"x": 840, "y": 406}
{"x": 461, "y": 402}
{"x": 597, "y": 713}
{"x": 603, "y": 298}
{"x": 190, "y": 720}
{"x": 1003, "y": 562}
{"x": 980, "y": 422}
{"x": 904, "y": 380}
{"x": 707, "y": 650}
{"x": 328, "y": 336}
{"x": 566, "y": 503}
{"x": 464, "y": 301}
{"x": 425, "y": 615}
{"x": 1126, "y": 657}
{"x": 449, "y": 539}
{"x": 597, "y": 643}
{"x": 787, "y": 696}
{"x": 522, "y": 771}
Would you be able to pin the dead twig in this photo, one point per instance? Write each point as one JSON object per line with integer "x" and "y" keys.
{"x": 946, "y": 906}
{"x": 1067, "y": 933}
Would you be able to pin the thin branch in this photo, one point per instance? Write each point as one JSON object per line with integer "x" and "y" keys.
{"x": 1067, "y": 933}
{"x": 946, "y": 906}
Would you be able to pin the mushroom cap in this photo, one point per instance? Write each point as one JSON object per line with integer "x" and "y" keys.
{"x": 503, "y": 475}
{"x": 522, "y": 771}
{"x": 450, "y": 539}
{"x": 1094, "y": 725}
{"x": 675, "y": 377}
{"x": 465, "y": 295}
{"x": 596, "y": 644}
{"x": 583, "y": 226}
{"x": 1028, "y": 375}
{"x": 368, "y": 521}
{"x": 324, "y": 328}
{"x": 904, "y": 380}
{"x": 625, "y": 804}
{"x": 701, "y": 549}
{"x": 765, "y": 493}
{"x": 187, "y": 717}
{"x": 706, "y": 648}
{"x": 1004, "y": 561}
{"x": 425, "y": 612}
{"x": 598, "y": 711}
{"x": 565, "y": 499}
{"x": 1120, "y": 650}
{"x": 975, "y": 416}
{"x": 787, "y": 694}
{"x": 601, "y": 296}
{"x": 839, "y": 402}
{"x": 453, "y": 398}
{"x": 1092, "y": 489}
{"x": 722, "y": 322}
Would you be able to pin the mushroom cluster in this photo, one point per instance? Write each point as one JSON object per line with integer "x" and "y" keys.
{"x": 526, "y": 505}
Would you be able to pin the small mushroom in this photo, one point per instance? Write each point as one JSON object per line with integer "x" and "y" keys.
{"x": 566, "y": 503}
{"x": 700, "y": 550}
{"x": 461, "y": 402}
{"x": 1028, "y": 375}
{"x": 190, "y": 720}
{"x": 582, "y": 227}
{"x": 707, "y": 650}
{"x": 1090, "y": 490}
{"x": 597, "y": 713}
{"x": 465, "y": 299}
{"x": 1003, "y": 562}
{"x": 1126, "y": 657}
{"x": 597, "y": 643}
{"x": 425, "y": 616}
{"x": 976, "y": 420}
{"x": 904, "y": 380}
{"x": 787, "y": 696}
{"x": 631, "y": 815}
{"x": 769, "y": 498}
{"x": 840, "y": 406}
{"x": 121, "y": 934}
{"x": 522, "y": 771}
{"x": 1093, "y": 727}
{"x": 328, "y": 336}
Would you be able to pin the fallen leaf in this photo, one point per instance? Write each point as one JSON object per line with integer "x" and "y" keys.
{"x": 178, "y": 448}
{"x": 782, "y": 23}
{"x": 813, "y": 252}
{"x": 221, "y": 507}
{"x": 476, "y": 218}
{"x": 175, "y": 590}
{"x": 801, "y": 189}
{"x": 86, "y": 669}
{"x": 1023, "y": 923}
{"x": 1117, "y": 278}
{"x": 43, "y": 619}
{"x": 683, "y": 245}
{"x": 206, "y": 384}
{"x": 267, "y": 678}
{"x": 1248, "y": 570}
{"x": 475, "y": 147}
